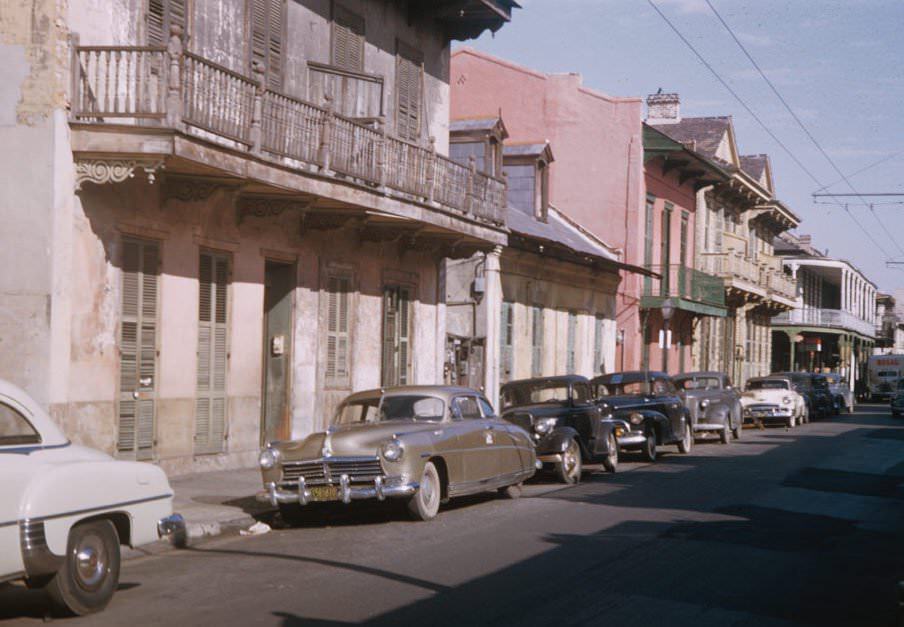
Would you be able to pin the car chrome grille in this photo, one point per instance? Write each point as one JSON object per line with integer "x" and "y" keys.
{"x": 323, "y": 471}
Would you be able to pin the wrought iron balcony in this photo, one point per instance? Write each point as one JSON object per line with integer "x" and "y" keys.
{"x": 169, "y": 88}
{"x": 693, "y": 289}
{"x": 829, "y": 318}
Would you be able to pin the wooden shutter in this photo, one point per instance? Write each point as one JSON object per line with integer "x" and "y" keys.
{"x": 404, "y": 313}
{"x": 267, "y": 20}
{"x": 210, "y": 403}
{"x": 409, "y": 86}
{"x": 598, "y": 344}
{"x": 337, "y": 336}
{"x": 348, "y": 40}
{"x": 506, "y": 354}
{"x": 572, "y": 336}
{"x": 536, "y": 341}
{"x": 160, "y": 15}
{"x": 396, "y": 356}
{"x": 138, "y": 349}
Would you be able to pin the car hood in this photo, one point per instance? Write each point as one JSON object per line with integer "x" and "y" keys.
{"x": 764, "y": 396}
{"x": 537, "y": 410}
{"x": 350, "y": 440}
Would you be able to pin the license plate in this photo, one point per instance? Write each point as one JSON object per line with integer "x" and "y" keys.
{"x": 324, "y": 493}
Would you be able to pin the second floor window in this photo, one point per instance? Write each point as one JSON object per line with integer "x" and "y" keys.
{"x": 161, "y": 14}
{"x": 348, "y": 39}
{"x": 522, "y": 187}
{"x": 409, "y": 90}
{"x": 461, "y": 152}
{"x": 267, "y": 24}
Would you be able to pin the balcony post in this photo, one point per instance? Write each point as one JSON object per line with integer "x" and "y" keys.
{"x": 257, "y": 110}
{"x": 75, "y": 71}
{"x": 326, "y": 135}
{"x": 472, "y": 174}
{"x": 431, "y": 170}
{"x": 174, "y": 83}
{"x": 382, "y": 148}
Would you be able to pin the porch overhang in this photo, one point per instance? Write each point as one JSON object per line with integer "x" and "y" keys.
{"x": 683, "y": 304}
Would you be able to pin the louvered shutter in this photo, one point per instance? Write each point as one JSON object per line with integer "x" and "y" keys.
{"x": 536, "y": 341}
{"x": 210, "y": 403}
{"x": 348, "y": 40}
{"x": 160, "y": 15}
{"x": 403, "y": 335}
{"x": 390, "y": 337}
{"x": 572, "y": 336}
{"x": 138, "y": 349}
{"x": 396, "y": 336}
{"x": 409, "y": 82}
{"x": 267, "y": 19}
{"x": 337, "y": 337}
{"x": 598, "y": 344}
{"x": 506, "y": 354}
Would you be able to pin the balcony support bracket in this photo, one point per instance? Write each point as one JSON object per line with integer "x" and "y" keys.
{"x": 100, "y": 171}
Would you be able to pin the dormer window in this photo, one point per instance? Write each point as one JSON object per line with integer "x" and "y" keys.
{"x": 527, "y": 175}
{"x": 481, "y": 138}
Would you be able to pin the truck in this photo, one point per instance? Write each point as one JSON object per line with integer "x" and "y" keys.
{"x": 884, "y": 373}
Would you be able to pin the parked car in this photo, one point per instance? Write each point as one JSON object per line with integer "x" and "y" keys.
{"x": 568, "y": 428}
{"x": 774, "y": 399}
{"x": 818, "y": 398}
{"x": 425, "y": 444}
{"x": 897, "y": 404}
{"x": 713, "y": 402}
{"x": 65, "y": 509}
{"x": 650, "y": 404}
{"x": 841, "y": 392}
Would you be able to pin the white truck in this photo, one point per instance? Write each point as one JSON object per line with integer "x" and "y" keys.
{"x": 883, "y": 375}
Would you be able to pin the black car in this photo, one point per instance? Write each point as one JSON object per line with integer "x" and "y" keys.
{"x": 650, "y": 403}
{"x": 815, "y": 389}
{"x": 568, "y": 427}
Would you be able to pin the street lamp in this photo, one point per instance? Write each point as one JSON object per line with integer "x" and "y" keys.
{"x": 668, "y": 310}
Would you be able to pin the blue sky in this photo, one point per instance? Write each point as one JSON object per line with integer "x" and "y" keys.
{"x": 838, "y": 63}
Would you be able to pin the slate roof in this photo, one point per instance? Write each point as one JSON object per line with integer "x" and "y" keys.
{"x": 557, "y": 230}
{"x": 477, "y": 124}
{"x": 529, "y": 150}
{"x": 754, "y": 165}
{"x": 702, "y": 135}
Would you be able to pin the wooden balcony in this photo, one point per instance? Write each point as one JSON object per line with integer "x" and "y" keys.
{"x": 356, "y": 95}
{"x": 165, "y": 93}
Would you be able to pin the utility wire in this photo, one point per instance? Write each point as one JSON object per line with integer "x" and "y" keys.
{"x": 802, "y": 125}
{"x": 757, "y": 118}
{"x": 863, "y": 169}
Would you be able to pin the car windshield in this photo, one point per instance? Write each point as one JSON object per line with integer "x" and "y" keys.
{"x": 767, "y": 384}
{"x": 534, "y": 392}
{"x": 698, "y": 383}
{"x": 626, "y": 388}
{"x": 403, "y": 407}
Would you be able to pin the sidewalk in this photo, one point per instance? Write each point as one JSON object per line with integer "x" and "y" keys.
{"x": 212, "y": 501}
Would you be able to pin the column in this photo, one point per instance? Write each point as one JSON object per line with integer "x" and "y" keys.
{"x": 844, "y": 290}
{"x": 493, "y": 311}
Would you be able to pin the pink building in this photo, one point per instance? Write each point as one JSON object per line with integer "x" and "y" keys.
{"x": 597, "y": 177}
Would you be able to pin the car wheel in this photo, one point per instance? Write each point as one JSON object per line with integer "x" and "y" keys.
{"x": 649, "y": 447}
{"x": 725, "y": 434}
{"x": 511, "y": 491}
{"x": 424, "y": 505}
{"x": 792, "y": 422}
{"x": 687, "y": 440}
{"x": 89, "y": 576}
{"x": 611, "y": 461}
{"x": 569, "y": 469}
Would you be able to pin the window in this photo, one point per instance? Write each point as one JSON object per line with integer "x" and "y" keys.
{"x": 466, "y": 408}
{"x": 396, "y": 335}
{"x": 461, "y": 152}
{"x": 338, "y": 329}
{"x": 581, "y": 393}
{"x": 15, "y": 428}
{"x": 486, "y": 408}
{"x": 536, "y": 341}
{"x": 267, "y": 24}
{"x": 160, "y": 16}
{"x": 348, "y": 39}
{"x": 522, "y": 187}
{"x": 571, "y": 339}
{"x": 409, "y": 90}
{"x": 506, "y": 338}
{"x": 599, "y": 328}
{"x": 210, "y": 403}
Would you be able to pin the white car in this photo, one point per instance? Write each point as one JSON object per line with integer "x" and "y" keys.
{"x": 773, "y": 399}
{"x": 66, "y": 509}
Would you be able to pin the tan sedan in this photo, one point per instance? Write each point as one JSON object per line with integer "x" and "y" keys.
{"x": 426, "y": 444}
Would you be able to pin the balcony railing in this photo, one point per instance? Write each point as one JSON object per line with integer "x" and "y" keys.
{"x": 731, "y": 265}
{"x": 679, "y": 281}
{"x": 356, "y": 95}
{"x": 832, "y": 318}
{"x": 782, "y": 284}
{"x": 147, "y": 85}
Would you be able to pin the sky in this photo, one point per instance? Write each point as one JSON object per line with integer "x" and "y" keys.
{"x": 839, "y": 64}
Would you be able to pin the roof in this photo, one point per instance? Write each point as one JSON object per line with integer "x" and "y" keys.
{"x": 444, "y": 391}
{"x": 630, "y": 376}
{"x": 754, "y": 165}
{"x": 50, "y": 433}
{"x": 558, "y": 230}
{"x": 703, "y": 373}
{"x": 474, "y": 124}
{"x": 703, "y": 135}
{"x": 565, "y": 378}
{"x": 527, "y": 150}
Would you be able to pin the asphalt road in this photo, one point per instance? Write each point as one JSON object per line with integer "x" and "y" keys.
{"x": 780, "y": 528}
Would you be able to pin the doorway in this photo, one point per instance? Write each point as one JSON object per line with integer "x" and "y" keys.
{"x": 279, "y": 285}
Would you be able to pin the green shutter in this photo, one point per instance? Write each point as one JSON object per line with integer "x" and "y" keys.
{"x": 210, "y": 403}
{"x": 506, "y": 337}
{"x": 536, "y": 367}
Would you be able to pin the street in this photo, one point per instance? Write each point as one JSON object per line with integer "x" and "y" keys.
{"x": 779, "y": 528}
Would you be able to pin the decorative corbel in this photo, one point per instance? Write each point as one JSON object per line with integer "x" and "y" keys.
{"x": 268, "y": 206}
{"x": 100, "y": 171}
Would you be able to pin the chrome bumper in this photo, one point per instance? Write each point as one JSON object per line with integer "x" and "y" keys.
{"x": 274, "y": 495}
{"x": 632, "y": 438}
{"x": 172, "y": 527}
{"x": 709, "y": 426}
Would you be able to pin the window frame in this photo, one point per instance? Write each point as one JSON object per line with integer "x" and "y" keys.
{"x": 21, "y": 412}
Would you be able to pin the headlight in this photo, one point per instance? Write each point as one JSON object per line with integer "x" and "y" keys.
{"x": 704, "y": 403}
{"x": 268, "y": 459}
{"x": 545, "y": 425}
{"x": 787, "y": 400}
{"x": 636, "y": 419}
{"x": 392, "y": 450}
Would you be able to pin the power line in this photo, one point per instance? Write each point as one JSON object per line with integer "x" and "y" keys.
{"x": 757, "y": 118}
{"x": 864, "y": 169}
{"x": 800, "y": 122}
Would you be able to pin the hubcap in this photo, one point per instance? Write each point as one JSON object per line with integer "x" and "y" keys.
{"x": 90, "y": 562}
{"x": 571, "y": 459}
{"x": 428, "y": 490}
{"x": 613, "y": 451}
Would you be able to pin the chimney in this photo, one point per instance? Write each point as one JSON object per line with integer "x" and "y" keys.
{"x": 663, "y": 108}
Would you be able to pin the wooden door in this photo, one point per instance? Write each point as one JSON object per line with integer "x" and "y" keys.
{"x": 279, "y": 285}
{"x": 210, "y": 402}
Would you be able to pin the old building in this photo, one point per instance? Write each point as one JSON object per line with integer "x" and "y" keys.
{"x": 737, "y": 220}
{"x": 230, "y": 213}
{"x": 889, "y": 326}
{"x": 834, "y": 325}
{"x": 595, "y": 183}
